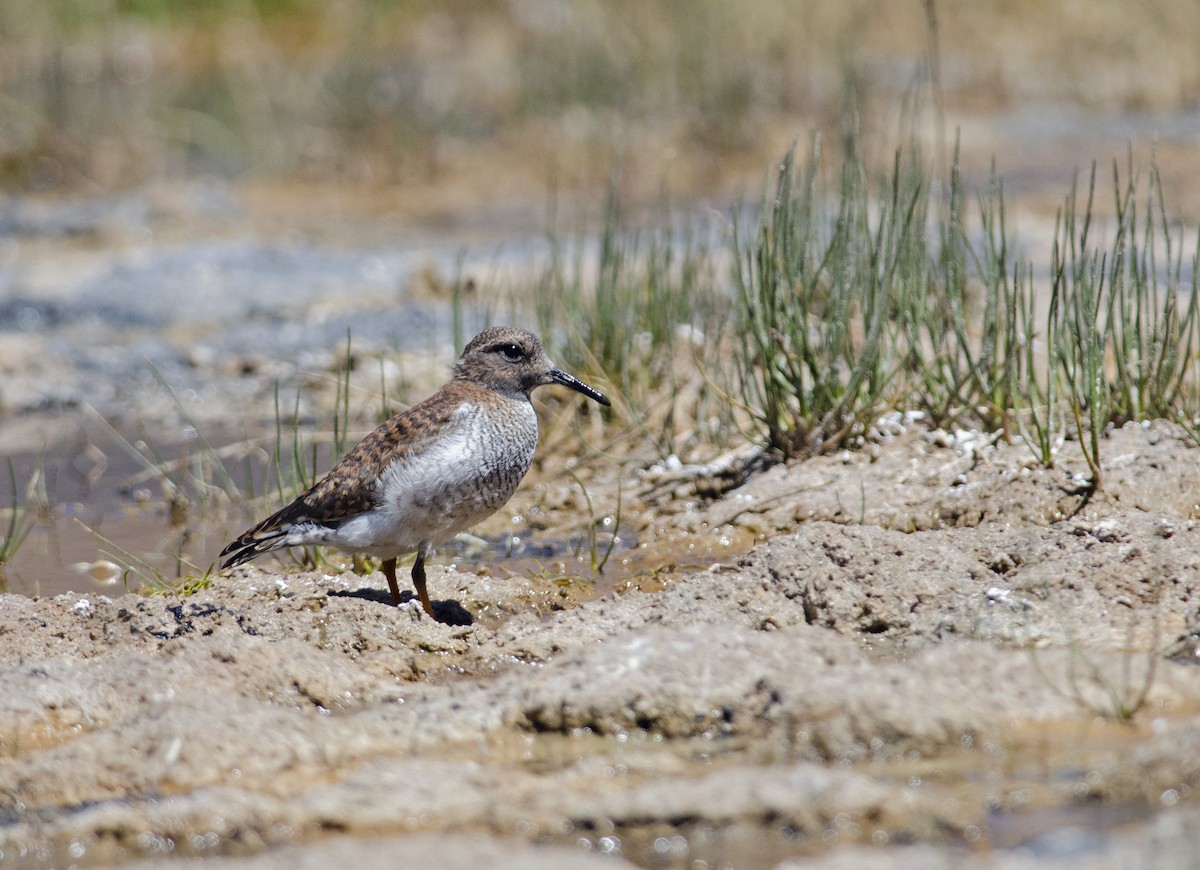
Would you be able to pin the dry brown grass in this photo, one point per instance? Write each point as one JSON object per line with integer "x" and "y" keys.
{"x": 106, "y": 94}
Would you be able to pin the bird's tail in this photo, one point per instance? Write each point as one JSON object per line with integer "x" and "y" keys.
{"x": 270, "y": 534}
{"x": 246, "y": 548}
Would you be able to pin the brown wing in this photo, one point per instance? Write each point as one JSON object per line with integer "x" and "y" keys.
{"x": 352, "y": 486}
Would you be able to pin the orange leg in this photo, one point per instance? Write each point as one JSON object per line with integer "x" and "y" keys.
{"x": 418, "y": 578}
{"x": 389, "y": 571}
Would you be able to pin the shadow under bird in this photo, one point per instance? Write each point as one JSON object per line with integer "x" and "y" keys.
{"x": 429, "y": 472}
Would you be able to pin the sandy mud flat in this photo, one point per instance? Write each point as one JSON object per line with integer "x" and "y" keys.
{"x": 927, "y": 661}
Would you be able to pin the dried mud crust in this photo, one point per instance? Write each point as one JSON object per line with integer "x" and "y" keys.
{"x": 843, "y": 682}
{"x": 908, "y": 478}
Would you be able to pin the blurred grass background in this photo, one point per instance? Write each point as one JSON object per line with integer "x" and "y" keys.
{"x": 102, "y": 94}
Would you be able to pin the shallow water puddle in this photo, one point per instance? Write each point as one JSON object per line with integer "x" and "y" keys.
{"x": 1025, "y": 789}
{"x": 1032, "y": 816}
{"x": 117, "y": 532}
{"x": 117, "y": 537}
{"x": 70, "y": 554}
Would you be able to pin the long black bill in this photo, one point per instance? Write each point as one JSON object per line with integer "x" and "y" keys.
{"x": 561, "y": 377}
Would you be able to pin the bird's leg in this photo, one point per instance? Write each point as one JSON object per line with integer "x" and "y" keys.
{"x": 389, "y": 571}
{"x": 418, "y": 578}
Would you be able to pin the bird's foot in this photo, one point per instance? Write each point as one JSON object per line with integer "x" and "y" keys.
{"x": 445, "y": 612}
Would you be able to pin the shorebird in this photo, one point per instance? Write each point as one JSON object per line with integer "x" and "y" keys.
{"x": 429, "y": 472}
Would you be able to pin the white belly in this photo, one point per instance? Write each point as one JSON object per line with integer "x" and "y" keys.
{"x": 459, "y": 481}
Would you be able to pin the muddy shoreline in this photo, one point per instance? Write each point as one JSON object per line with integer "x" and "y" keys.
{"x": 961, "y": 677}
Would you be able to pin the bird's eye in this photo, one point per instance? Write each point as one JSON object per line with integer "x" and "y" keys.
{"x": 512, "y": 352}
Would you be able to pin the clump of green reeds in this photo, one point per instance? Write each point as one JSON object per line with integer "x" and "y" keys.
{"x": 18, "y": 523}
{"x": 306, "y": 466}
{"x": 887, "y": 294}
{"x": 814, "y": 292}
{"x": 1123, "y": 316}
{"x": 633, "y": 309}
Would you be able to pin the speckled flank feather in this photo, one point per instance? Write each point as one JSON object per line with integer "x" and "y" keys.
{"x": 429, "y": 472}
{"x": 352, "y": 487}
